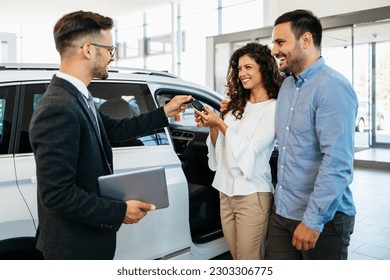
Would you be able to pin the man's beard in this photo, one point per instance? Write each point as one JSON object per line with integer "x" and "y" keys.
{"x": 296, "y": 61}
{"x": 100, "y": 73}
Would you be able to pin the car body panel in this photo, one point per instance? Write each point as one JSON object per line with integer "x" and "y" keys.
{"x": 18, "y": 221}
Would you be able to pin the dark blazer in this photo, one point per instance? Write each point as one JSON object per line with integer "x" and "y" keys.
{"x": 75, "y": 222}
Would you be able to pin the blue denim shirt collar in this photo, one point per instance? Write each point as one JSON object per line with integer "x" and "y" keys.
{"x": 305, "y": 75}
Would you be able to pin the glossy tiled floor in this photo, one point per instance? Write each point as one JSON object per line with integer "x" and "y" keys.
{"x": 371, "y": 190}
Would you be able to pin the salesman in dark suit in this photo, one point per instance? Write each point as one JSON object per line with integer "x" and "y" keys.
{"x": 71, "y": 146}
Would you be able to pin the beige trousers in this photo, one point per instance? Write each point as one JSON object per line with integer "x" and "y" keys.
{"x": 245, "y": 223}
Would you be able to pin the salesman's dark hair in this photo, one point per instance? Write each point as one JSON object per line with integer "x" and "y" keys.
{"x": 78, "y": 24}
{"x": 303, "y": 21}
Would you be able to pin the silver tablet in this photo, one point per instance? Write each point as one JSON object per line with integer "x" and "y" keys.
{"x": 147, "y": 185}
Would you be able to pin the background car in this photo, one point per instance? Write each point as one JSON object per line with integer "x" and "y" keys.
{"x": 363, "y": 117}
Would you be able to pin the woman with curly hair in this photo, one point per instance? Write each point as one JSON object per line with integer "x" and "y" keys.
{"x": 240, "y": 144}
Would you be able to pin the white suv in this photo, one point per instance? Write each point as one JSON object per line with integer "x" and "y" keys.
{"x": 189, "y": 228}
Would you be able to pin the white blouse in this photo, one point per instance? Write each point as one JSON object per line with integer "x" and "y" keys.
{"x": 241, "y": 157}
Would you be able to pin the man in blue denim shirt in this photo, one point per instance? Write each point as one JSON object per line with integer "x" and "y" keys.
{"x": 314, "y": 213}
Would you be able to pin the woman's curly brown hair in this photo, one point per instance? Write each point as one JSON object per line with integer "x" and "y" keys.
{"x": 269, "y": 72}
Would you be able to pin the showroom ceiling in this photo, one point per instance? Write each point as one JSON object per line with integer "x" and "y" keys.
{"x": 21, "y": 12}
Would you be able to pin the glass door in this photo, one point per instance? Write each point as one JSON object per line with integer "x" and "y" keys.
{"x": 372, "y": 65}
{"x": 362, "y": 54}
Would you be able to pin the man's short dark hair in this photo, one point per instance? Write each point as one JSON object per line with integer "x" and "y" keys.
{"x": 303, "y": 21}
{"x": 78, "y": 24}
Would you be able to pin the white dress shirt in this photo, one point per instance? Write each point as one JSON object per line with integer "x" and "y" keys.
{"x": 76, "y": 82}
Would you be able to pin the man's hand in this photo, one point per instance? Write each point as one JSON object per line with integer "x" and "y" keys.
{"x": 136, "y": 210}
{"x": 177, "y": 105}
{"x": 304, "y": 238}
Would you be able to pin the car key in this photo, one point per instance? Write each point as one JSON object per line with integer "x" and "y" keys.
{"x": 197, "y": 105}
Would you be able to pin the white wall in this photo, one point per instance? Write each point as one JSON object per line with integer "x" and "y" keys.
{"x": 34, "y": 40}
{"x": 7, "y": 47}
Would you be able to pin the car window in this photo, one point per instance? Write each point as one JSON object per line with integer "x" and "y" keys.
{"x": 2, "y": 105}
{"x": 31, "y": 94}
{"x": 121, "y": 100}
{"x": 7, "y": 97}
{"x": 115, "y": 99}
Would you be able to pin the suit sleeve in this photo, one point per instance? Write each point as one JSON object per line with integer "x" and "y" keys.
{"x": 126, "y": 128}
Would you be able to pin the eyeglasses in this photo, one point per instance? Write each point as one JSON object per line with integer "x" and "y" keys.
{"x": 111, "y": 49}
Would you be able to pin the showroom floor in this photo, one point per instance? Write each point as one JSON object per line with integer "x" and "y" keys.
{"x": 371, "y": 190}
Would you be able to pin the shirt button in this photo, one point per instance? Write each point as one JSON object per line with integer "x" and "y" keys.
{"x": 284, "y": 148}
{"x": 297, "y": 88}
{"x": 286, "y": 127}
{"x": 282, "y": 166}
{"x": 292, "y": 108}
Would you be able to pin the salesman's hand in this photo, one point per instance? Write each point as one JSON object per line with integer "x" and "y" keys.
{"x": 304, "y": 238}
{"x": 136, "y": 210}
{"x": 177, "y": 105}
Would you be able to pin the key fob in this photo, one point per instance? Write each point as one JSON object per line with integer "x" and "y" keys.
{"x": 197, "y": 105}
